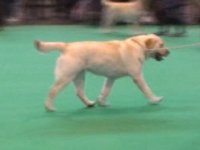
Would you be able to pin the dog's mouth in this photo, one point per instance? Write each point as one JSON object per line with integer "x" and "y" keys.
{"x": 160, "y": 56}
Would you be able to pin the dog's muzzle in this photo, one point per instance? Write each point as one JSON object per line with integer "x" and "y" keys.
{"x": 159, "y": 55}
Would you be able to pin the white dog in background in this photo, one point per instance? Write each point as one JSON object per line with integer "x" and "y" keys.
{"x": 112, "y": 59}
{"x": 129, "y": 12}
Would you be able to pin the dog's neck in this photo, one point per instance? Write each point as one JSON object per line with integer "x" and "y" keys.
{"x": 138, "y": 43}
{"x": 143, "y": 47}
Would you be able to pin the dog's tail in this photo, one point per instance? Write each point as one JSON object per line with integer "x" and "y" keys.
{"x": 46, "y": 47}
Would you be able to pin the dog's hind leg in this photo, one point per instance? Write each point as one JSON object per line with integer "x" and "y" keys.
{"x": 57, "y": 87}
{"x": 79, "y": 84}
{"x": 105, "y": 91}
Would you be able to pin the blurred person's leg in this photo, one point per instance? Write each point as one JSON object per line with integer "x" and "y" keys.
{"x": 18, "y": 9}
{"x": 158, "y": 6}
{"x": 64, "y": 7}
{"x": 8, "y": 6}
{"x": 178, "y": 17}
{"x": 164, "y": 27}
{"x": 180, "y": 31}
{"x": 87, "y": 11}
{"x": 163, "y": 30}
{"x": 1, "y": 14}
{"x": 171, "y": 12}
{"x": 15, "y": 11}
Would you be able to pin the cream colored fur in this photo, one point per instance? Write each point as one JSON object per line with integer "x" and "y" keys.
{"x": 112, "y": 59}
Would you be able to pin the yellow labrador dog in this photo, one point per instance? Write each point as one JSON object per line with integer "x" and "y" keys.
{"x": 129, "y": 12}
{"x": 112, "y": 59}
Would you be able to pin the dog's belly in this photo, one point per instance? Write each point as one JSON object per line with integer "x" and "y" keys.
{"x": 108, "y": 70}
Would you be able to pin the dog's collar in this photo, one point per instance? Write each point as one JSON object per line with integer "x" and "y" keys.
{"x": 138, "y": 43}
{"x": 144, "y": 49}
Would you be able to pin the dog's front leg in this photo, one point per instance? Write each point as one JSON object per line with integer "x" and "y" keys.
{"x": 141, "y": 83}
{"x": 105, "y": 91}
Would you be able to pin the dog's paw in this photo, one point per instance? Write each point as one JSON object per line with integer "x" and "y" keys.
{"x": 49, "y": 107}
{"x": 103, "y": 104}
{"x": 91, "y": 104}
{"x": 156, "y": 100}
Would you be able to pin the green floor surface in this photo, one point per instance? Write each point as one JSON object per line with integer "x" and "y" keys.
{"x": 128, "y": 124}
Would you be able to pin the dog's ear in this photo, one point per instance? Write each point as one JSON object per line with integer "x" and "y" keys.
{"x": 150, "y": 43}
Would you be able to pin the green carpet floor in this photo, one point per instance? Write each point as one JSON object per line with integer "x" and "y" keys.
{"x": 129, "y": 124}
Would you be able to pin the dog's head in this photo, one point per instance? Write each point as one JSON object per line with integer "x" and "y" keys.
{"x": 153, "y": 46}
